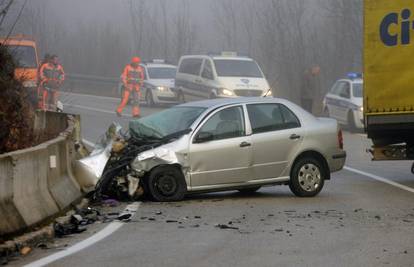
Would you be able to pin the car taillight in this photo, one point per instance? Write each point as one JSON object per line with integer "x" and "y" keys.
{"x": 340, "y": 139}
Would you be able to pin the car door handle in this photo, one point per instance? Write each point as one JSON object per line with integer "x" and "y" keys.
{"x": 294, "y": 137}
{"x": 245, "y": 144}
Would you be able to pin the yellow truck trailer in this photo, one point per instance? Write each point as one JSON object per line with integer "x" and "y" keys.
{"x": 389, "y": 78}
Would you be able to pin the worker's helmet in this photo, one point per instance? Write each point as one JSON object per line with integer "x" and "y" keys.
{"x": 136, "y": 60}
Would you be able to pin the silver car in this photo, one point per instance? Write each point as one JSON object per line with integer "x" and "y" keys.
{"x": 237, "y": 144}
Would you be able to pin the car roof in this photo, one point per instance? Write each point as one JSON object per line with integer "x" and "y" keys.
{"x": 218, "y": 57}
{"x": 232, "y": 101}
{"x": 351, "y": 81}
{"x": 159, "y": 65}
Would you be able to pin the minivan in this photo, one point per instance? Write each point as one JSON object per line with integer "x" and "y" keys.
{"x": 220, "y": 76}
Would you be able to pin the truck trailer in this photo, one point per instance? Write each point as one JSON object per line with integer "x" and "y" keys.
{"x": 389, "y": 78}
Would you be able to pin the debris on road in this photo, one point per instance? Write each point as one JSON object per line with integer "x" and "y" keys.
{"x": 25, "y": 250}
{"x": 225, "y": 226}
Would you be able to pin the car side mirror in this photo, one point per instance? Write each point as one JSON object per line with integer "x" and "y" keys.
{"x": 204, "y": 137}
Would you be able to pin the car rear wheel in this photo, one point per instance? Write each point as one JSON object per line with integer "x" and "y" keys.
{"x": 149, "y": 98}
{"x": 250, "y": 190}
{"x": 167, "y": 183}
{"x": 307, "y": 178}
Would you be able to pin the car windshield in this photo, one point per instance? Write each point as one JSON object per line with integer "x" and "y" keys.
{"x": 237, "y": 68}
{"x": 357, "y": 89}
{"x": 25, "y": 56}
{"x": 161, "y": 73}
{"x": 165, "y": 123}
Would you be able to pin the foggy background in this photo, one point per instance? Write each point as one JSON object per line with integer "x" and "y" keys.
{"x": 286, "y": 37}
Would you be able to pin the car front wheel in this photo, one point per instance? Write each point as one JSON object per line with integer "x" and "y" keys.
{"x": 307, "y": 178}
{"x": 149, "y": 99}
{"x": 167, "y": 183}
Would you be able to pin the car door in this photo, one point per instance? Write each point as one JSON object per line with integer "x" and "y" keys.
{"x": 276, "y": 135}
{"x": 208, "y": 77}
{"x": 332, "y": 100}
{"x": 220, "y": 151}
{"x": 344, "y": 99}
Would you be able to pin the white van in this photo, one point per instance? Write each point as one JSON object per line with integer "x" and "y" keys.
{"x": 212, "y": 76}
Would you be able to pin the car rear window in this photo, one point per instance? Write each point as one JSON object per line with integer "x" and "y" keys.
{"x": 357, "y": 89}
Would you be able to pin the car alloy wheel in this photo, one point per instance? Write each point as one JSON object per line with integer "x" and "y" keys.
{"x": 309, "y": 177}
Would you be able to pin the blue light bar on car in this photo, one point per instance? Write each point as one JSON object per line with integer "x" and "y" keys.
{"x": 354, "y": 75}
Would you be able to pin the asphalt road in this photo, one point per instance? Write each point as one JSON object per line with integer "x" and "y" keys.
{"x": 364, "y": 216}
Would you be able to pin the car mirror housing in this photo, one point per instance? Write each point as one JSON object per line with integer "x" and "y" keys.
{"x": 203, "y": 137}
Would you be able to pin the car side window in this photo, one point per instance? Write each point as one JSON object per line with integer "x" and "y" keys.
{"x": 271, "y": 117}
{"x": 191, "y": 66}
{"x": 207, "y": 70}
{"x": 290, "y": 119}
{"x": 345, "y": 90}
{"x": 336, "y": 88}
{"x": 227, "y": 123}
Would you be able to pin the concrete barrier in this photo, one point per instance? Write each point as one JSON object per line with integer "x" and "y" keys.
{"x": 38, "y": 183}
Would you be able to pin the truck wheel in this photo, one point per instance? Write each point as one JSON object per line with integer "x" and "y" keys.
{"x": 167, "y": 183}
{"x": 307, "y": 177}
{"x": 351, "y": 122}
{"x": 149, "y": 98}
{"x": 250, "y": 190}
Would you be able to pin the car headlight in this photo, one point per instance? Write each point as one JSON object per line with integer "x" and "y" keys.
{"x": 268, "y": 93}
{"x": 162, "y": 88}
{"x": 29, "y": 84}
{"x": 226, "y": 92}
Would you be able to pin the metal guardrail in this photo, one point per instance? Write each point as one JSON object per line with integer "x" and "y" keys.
{"x": 91, "y": 78}
{"x": 91, "y": 84}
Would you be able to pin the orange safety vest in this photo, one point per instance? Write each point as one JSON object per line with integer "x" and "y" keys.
{"x": 133, "y": 76}
{"x": 51, "y": 72}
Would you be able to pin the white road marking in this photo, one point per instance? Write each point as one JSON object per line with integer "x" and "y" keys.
{"x": 380, "y": 179}
{"x": 107, "y": 231}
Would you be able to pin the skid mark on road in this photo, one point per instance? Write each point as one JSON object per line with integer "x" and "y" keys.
{"x": 380, "y": 179}
{"x": 107, "y": 231}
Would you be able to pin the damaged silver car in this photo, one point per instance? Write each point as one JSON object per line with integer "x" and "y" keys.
{"x": 235, "y": 144}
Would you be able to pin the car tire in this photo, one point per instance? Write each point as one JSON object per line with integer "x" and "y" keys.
{"x": 307, "y": 177}
{"x": 167, "y": 183}
{"x": 249, "y": 190}
{"x": 351, "y": 122}
{"x": 326, "y": 112}
{"x": 180, "y": 97}
{"x": 149, "y": 99}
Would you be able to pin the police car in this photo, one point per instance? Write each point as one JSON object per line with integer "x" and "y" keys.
{"x": 344, "y": 102}
{"x": 159, "y": 81}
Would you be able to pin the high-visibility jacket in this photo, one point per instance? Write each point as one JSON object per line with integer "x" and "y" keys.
{"x": 52, "y": 72}
{"x": 133, "y": 76}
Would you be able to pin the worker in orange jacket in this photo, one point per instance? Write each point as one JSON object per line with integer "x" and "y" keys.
{"x": 52, "y": 77}
{"x": 132, "y": 79}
